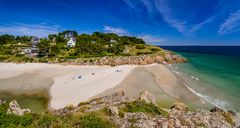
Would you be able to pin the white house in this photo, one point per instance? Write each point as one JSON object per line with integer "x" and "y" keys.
{"x": 35, "y": 41}
{"x": 26, "y": 51}
{"x": 113, "y": 41}
{"x": 71, "y": 42}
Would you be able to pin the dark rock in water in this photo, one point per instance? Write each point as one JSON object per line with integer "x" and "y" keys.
{"x": 216, "y": 109}
{"x": 232, "y": 112}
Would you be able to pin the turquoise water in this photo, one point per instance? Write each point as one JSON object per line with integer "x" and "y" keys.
{"x": 215, "y": 78}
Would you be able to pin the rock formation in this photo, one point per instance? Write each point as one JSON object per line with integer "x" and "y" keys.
{"x": 132, "y": 60}
{"x": 14, "y": 108}
{"x": 147, "y": 97}
{"x": 178, "y": 116}
{"x": 142, "y": 112}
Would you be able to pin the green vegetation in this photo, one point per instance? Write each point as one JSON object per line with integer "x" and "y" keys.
{"x": 142, "y": 106}
{"x": 140, "y": 46}
{"x": 94, "y": 121}
{"x": 45, "y": 120}
{"x": 55, "y": 49}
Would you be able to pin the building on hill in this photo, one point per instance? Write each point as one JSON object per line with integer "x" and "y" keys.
{"x": 71, "y": 42}
{"x": 113, "y": 41}
{"x": 71, "y": 39}
{"x": 26, "y": 51}
{"x": 34, "y": 49}
{"x": 35, "y": 41}
{"x": 69, "y": 35}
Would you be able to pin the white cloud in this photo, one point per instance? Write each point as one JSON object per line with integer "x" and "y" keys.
{"x": 119, "y": 31}
{"x": 151, "y": 39}
{"x": 200, "y": 25}
{"x": 149, "y": 5}
{"x": 40, "y": 30}
{"x": 129, "y": 3}
{"x": 165, "y": 11}
{"x": 231, "y": 24}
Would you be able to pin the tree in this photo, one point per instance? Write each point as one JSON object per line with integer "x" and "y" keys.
{"x": 75, "y": 34}
{"x": 60, "y": 39}
{"x": 7, "y": 39}
{"x": 43, "y": 47}
{"x": 52, "y": 36}
{"x": 23, "y": 39}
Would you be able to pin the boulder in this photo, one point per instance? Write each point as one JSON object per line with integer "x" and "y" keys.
{"x": 180, "y": 106}
{"x": 147, "y": 97}
{"x": 14, "y": 108}
{"x": 113, "y": 110}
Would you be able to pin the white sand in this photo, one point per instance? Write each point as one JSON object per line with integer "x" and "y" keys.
{"x": 67, "y": 88}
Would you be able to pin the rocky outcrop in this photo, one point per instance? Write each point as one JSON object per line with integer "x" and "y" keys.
{"x": 178, "y": 116}
{"x": 142, "y": 112}
{"x": 130, "y": 60}
{"x": 97, "y": 104}
{"x": 113, "y": 110}
{"x": 14, "y": 108}
{"x": 173, "y": 58}
{"x": 180, "y": 106}
{"x": 147, "y": 97}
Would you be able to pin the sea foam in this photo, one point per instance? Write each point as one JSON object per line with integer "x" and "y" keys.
{"x": 216, "y": 102}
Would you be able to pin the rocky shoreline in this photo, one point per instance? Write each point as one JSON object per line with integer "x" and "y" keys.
{"x": 142, "y": 112}
{"x": 167, "y": 58}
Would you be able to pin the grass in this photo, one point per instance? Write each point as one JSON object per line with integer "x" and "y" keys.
{"x": 45, "y": 120}
{"x": 94, "y": 121}
{"x": 142, "y": 106}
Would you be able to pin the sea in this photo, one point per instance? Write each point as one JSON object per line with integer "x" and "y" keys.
{"x": 212, "y": 73}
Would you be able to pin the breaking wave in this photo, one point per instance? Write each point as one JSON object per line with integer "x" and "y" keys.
{"x": 216, "y": 102}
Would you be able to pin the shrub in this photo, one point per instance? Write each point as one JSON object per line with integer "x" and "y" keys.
{"x": 26, "y": 120}
{"x": 45, "y": 120}
{"x": 141, "y": 106}
{"x": 11, "y": 120}
{"x": 155, "y": 49}
{"x": 140, "y": 46}
{"x": 71, "y": 57}
{"x": 94, "y": 121}
{"x": 142, "y": 53}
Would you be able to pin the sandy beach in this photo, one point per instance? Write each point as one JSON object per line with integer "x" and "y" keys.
{"x": 69, "y": 85}
{"x": 166, "y": 87}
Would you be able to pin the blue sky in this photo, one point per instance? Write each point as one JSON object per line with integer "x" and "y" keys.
{"x": 164, "y": 22}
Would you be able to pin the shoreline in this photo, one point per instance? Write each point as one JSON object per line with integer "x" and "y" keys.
{"x": 159, "y": 80}
{"x": 67, "y": 89}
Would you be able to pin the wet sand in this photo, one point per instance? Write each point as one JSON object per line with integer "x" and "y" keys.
{"x": 161, "y": 82}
